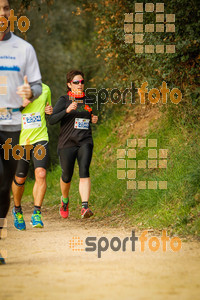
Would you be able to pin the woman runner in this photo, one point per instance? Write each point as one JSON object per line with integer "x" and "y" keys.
{"x": 75, "y": 140}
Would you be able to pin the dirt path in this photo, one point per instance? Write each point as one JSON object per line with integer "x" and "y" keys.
{"x": 40, "y": 265}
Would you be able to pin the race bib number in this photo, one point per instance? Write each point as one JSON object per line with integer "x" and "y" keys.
{"x": 31, "y": 121}
{"x": 5, "y": 116}
{"x": 82, "y": 123}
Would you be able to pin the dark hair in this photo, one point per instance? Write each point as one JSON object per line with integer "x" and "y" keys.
{"x": 9, "y": 2}
{"x": 71, "y": 75}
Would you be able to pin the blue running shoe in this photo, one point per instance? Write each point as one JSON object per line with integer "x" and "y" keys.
{"x": 36, "y": 219}
{"x": 2, "y": 260}
{"x": 19, "y": 222}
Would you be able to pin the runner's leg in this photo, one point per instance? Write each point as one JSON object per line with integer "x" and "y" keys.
{"x": 65, "y": 187}
{"x": 20, "y": 178}
{"x": 40, "y": 186}
{"x": 67, "y": 160}
{"x": 9, "y": 168}
{"x": 18, "y": 190}
{"x": 40, "y": 166}
{"x": 84, "y": 157}
{"x": 40, "y": 156}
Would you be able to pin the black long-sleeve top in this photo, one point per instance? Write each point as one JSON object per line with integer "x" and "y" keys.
{"x": 70, "y": 136}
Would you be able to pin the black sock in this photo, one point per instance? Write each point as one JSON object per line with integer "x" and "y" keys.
{"x": 37, "y": 208}
{"x": 85, "y": 205}
{"x": 18, "y": 209}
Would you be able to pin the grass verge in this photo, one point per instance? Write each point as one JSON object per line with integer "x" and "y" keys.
{"x": 175, "y": 209}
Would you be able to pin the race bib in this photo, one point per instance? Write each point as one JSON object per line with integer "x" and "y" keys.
{"x": 82, "y": 123}
{"x": 5, "y": 116}
{"x": 31, "y": 121}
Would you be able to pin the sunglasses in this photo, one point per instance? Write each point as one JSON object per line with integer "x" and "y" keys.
{"x": 77, "y": 81}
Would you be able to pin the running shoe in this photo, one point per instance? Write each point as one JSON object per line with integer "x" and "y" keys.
{"x": 64, "y": 209}
{"x": 86, "y": 213}
{"x": 19, "y": 222}
{"x": 36, "y": 219}
{"x": 2, "y": 260}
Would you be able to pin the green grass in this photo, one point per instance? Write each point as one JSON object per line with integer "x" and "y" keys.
{"x": 176, "y": 208}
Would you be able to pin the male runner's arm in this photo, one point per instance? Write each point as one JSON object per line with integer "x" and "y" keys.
{"x": 32, "y": 86}
{"x": 30, "y": 91}
{"x": 36, "y": 88}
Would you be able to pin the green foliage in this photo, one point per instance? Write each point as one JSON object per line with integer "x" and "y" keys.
{"x": 123, "y": 65}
